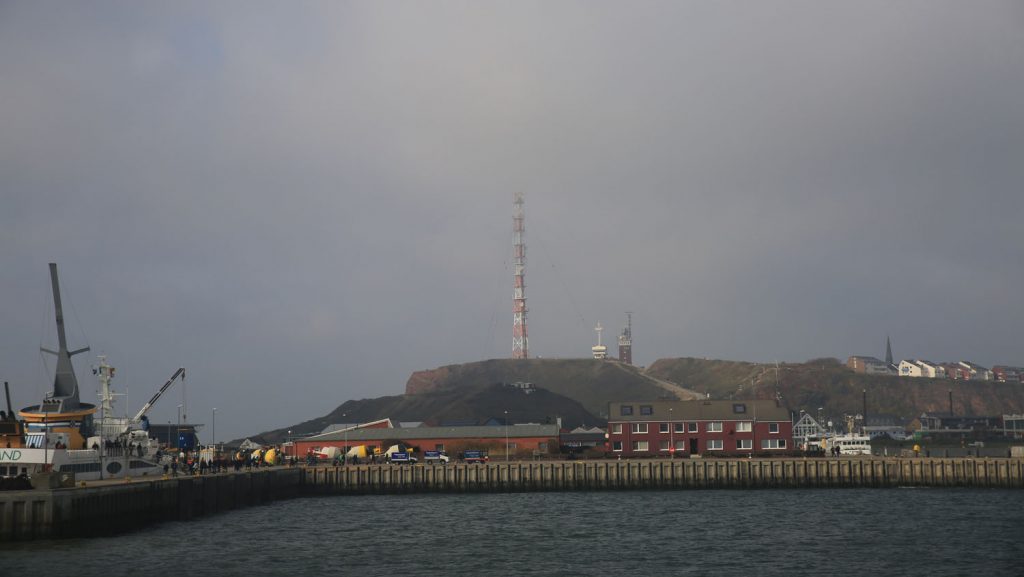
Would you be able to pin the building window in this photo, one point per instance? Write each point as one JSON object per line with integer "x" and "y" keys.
{"x": 626, "y": 410}
{"x": 679, "y": 427}
{"x": 639, "y": 446}
{"x": 513, "y": 446}
{"x": 439, "y": 447}
{"x": 715, "y": 444}
{"x": 773, "y": 443}
{"x": 663, "y": 445}
{"x": 617, "y": 429}
{"x": 743, "y": 427}
{"x": 680, "y": 446}
{"x": 744, "y": 444}
{"x": 773, "y": 427}
{"x": 663, "y": 428}
{"x": 542, "y": 446}
{"x": 693, "y": 427}
{"x": 715, "y": 426}
{"x": 640, "y": 428}
{"x": 646, "y": 410}
{"x": 739, "y": 408}
{"x": 616, "y": 445}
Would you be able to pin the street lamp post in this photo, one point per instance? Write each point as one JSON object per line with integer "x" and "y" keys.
{"x": 177, "y": 431}
{"x": 506, "y": 436}
{"x": 214, "y": 433}
{"x": 295, "y": 450}
{"x": 671, "y": 436}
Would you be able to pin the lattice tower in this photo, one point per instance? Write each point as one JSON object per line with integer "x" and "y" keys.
{"x": 520, "y": 341}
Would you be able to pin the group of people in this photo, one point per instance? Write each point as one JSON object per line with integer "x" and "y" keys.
{"x": 194, "y": 464}
{"x": 201, "y": 463}
{"x": 118, "y": 447}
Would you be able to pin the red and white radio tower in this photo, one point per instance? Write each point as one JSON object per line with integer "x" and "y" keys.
{"x": 520, "y": 342}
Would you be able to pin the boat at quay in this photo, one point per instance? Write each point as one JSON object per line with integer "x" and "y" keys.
{"x": 63, "y": 435}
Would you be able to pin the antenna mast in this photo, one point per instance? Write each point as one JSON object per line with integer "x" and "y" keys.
{"x": 600, "y": 351}
{"x": 520, "y": 342}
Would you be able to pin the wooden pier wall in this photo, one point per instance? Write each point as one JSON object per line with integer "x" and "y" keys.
{"x": 115, "y": 507}
{"x": 664, "y": 474}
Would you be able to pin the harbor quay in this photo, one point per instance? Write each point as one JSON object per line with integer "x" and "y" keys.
{"x": 664, "y": 474}
{"x": 109, "y": 507}
{"x": 118, "y": 506}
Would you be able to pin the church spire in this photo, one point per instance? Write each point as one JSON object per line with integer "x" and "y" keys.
{"x": 888, "y": 350}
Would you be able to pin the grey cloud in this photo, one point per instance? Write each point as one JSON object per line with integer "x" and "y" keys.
{"x": 303, "y": 204}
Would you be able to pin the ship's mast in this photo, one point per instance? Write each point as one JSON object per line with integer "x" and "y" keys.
{"x": 65, "y": 385}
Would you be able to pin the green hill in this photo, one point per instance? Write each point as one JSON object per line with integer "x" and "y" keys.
{"x": 575, "y": 390}
{"x": 593, "y": 383}
{"x": 829, "y": 384}
{"x": 470, "y": 403}
{"x": 578, "y": 391}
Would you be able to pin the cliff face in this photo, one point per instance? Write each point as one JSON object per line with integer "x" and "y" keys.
{"x": 429, "y": 380}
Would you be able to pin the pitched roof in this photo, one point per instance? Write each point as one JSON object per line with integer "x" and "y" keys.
{"x": 513, "y": 431}
{"x": 868, "y": 359}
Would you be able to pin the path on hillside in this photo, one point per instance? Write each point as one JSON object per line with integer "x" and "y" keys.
{"x": 682, "y": 393}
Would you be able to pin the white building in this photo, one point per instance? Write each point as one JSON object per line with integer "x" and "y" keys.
{"x": 910, "y": 369}
{"x": 921, "y": 368}
{"x": 977, "y": 372}
{"x": 931, "y": 369}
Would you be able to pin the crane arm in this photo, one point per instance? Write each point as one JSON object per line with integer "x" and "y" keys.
{"x": 180, "y": 372}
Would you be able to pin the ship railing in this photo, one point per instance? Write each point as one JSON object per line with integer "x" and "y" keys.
{"x": 82, "y": 454}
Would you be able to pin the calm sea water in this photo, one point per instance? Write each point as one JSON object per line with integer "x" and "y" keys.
{"x": 772, "y": 532}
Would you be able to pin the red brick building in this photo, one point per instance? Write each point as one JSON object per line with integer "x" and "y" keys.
{"x": 704, "y": 427}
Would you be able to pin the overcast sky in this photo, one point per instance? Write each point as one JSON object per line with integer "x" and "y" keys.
{"x": 302, "y": 203}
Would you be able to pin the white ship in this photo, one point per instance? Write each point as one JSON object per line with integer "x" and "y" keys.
{"x": 851, "y": 444}
{"x": 63, "y": 435}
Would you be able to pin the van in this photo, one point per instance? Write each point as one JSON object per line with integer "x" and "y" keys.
{"x": 435, "y": 458}
{"x": 475, "y": 457}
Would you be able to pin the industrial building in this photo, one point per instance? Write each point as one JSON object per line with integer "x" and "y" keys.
{"x": 519, "y": 439}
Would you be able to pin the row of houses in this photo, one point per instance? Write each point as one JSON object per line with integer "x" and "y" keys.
{"x": 960, "y": 371}
{"x": 635, "y": 429}
{"x": 934, "y": 425}
{"x": 660, "y": 429}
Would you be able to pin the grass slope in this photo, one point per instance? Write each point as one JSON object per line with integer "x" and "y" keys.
{"x": 829, "y": 384}
{"x": 590, "y": 382}
{"x": 477, "y": 402}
